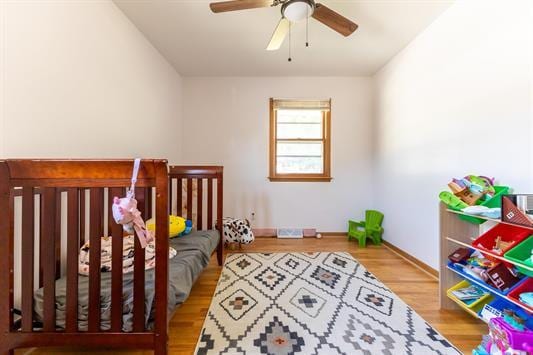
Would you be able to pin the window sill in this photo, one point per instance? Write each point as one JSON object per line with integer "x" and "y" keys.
{"x": 300, "y": 178}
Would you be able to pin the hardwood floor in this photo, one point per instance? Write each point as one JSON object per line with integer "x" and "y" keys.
{"x": 416, "y": 287}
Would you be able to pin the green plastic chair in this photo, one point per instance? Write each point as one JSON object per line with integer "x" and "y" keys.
{"x": 369, "y": 228}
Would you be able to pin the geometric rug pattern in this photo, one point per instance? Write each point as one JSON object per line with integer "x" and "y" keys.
{"x": 310, "y": 303}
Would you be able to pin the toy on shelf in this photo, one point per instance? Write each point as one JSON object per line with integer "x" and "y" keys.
{"x": 462, "y": 191}
{"x": 477, "y": 259}
{"x": 369, "y": 228}
{"x": 472, "y": 188}
{"x": 498, "y": 307}
{"x": 461, "y": 254}
{"x": 501, "y": 277}
{"x": 499, "y": 240}
{"x": 476, "y": 196}
{"x": 518, "y": 209}
{"x": 481, "y": 184}
{"x": 526, "y": 298}
{"x": 483, "y": 211}
{"x": 490, "y": 272}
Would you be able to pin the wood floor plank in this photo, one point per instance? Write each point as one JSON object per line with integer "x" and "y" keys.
{"x": 414, "y": 286}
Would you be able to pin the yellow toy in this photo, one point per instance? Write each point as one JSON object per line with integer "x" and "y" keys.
{"x": 176, "y": 225}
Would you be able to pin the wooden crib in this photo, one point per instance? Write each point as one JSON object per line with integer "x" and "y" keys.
{"x": 49, "y": 208}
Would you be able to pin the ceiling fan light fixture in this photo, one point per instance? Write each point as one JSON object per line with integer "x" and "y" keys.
{"x": 297, "y": 10}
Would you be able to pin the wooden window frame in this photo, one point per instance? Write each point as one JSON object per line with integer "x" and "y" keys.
{"x": 326, "y": 140}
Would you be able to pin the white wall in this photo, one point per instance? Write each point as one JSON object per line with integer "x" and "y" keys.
{"x": 457, "y": 100}
{"x": 226, "y": 121}
{"x": 81, "y": 81}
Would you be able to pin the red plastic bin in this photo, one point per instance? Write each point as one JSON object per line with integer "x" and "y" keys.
{"x": 526, "y": 286}
{"x": 508, "y": 234}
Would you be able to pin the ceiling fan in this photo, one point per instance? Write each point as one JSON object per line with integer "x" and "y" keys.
{"x": 291, "y": 11}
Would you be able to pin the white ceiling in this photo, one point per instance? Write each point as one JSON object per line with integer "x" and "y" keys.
{"x": 200, "y": 43}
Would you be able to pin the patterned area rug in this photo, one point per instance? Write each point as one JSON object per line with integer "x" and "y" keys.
{"x": 310, "y": 303}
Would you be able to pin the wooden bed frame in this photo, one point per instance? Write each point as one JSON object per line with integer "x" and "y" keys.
{"x": 51, "y": 194}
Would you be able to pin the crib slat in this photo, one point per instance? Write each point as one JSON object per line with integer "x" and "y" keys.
{"x": 199, "y": 200}
{"x": 116, "y": 267}
{"x": 57, "y": 233}
{"x": 82, "y": 216}
{"x": 170, "y": 182}
{"x": 209, "y": 203}
{"x": 179, "y": 198}
{"x": 148, "y": 204}
{"x": 95, "y": 234}
{"x": 28, "y": 241}
{"x": 109, "y": 211}
{"x": 48, "y": 261}
{"x": 220, "y": 190}
{"x": 189, "y": 199}
{"x": 138, "y": 272}
{"x": 73, "y": 246}
{"x": 41, "y": 245}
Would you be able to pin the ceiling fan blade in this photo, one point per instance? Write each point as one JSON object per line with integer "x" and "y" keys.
{"x": 235, "y": 5}
{"x": 333, "y": 20}
{"x": 279, "y": 35}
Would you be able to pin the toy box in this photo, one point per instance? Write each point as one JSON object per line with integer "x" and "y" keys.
{"x": 500, "y": 239}
{"x": 496, "y": 308}
{"x": 493, "y": 202}
{"x": 524, "y": 287}
{"x": 521, "y": 255}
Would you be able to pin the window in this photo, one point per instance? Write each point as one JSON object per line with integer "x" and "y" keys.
{"x": 300, "y": 140}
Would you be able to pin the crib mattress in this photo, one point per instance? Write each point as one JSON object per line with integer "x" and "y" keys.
{"x": 193, "y": 254}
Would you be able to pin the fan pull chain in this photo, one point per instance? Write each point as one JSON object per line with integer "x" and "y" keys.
{"x": 307, "y": 29}
{"x": 290, "y": 29}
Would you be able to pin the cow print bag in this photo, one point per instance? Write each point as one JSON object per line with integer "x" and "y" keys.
{"x": 237, "y": 231}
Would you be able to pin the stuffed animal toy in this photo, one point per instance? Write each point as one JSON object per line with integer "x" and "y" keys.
{"x": 177, "y": 226}
{"x": 125, "y": 211}
{"x": 237, "y": 231}
{"x": 188, "y": 228}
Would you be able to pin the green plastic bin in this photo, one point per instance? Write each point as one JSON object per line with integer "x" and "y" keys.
{"x": 521, "y": 254}
{"x": 495, "y": 201}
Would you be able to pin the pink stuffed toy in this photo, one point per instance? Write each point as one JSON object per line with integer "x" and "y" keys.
{"x": 125, "y": 212}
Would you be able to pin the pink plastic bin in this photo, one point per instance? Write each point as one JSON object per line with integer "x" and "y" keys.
{"x": 501, "y": 333}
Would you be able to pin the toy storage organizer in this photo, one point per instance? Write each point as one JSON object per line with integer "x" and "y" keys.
{"x": 457, "y": 232}
{"x": 492, "y": 202}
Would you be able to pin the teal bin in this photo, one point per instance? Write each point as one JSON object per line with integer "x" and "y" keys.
{"x": 521, "y": 254}
{"x": 495, "y": 201}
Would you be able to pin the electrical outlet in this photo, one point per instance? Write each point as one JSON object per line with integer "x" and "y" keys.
{"x": 253, "y": 216}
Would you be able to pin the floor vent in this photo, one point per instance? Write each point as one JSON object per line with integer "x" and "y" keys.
{"x": 290, "y": 233}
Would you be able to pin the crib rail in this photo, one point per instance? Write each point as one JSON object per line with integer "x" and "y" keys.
{"x": 206, "y": 182}
{"x": 72, "y": 197}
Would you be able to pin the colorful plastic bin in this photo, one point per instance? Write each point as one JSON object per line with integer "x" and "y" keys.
{"x": 494, "y": 202}
{"x": 521, "y": 255}
{"x": 526, "y": 286}
{"x": 473, "y": 307}
{"x": 500, "y": 304}
{"x": 483, "y": 284}
{"x": 508, "y": 233}
{"x": 508, "y": 340}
